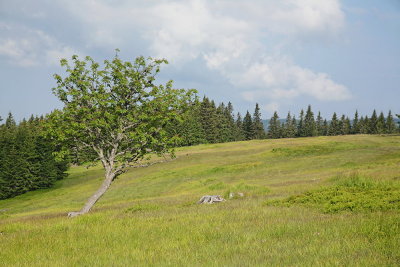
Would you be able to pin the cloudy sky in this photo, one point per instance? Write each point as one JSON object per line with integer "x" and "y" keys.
{"x": 335, "y": 55}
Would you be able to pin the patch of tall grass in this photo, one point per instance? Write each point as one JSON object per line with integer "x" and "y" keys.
{"x": 354, "y": 193}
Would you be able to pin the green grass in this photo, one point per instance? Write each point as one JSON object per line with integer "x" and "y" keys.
{"x": 351, "y": 193}
{"x": 150, "y": 217}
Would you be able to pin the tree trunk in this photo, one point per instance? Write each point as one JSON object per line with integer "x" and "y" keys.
{"x": 93, "y": 199}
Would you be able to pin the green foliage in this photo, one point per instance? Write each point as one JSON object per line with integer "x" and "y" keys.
{"x": 26, "y": 158}
{"x": 274, "y": 129}
{"x": 352, "y": 193}
{"x": 308, "y": 126}
{"x": 115, "y": 111}
{"x": 248, "y": 127}
{"x": 259, "y": 132}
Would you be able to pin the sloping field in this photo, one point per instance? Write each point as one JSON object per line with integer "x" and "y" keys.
{"x": 149, "y": 216}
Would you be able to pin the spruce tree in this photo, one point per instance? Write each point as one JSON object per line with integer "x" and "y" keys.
{"x": 325, "y": 128}
{"x": 390, "y": 125}
{"x": 364, "y": 125}
{"x": 274, "y": 126}
{"x": 209, "y": 120}
{"x": 309, "y": 123}
{"x": 381, "y": 124}
{"x": 345, "y": 125}
{"x": 356, "y": 127}
{"x": 223, "y": 131}
{"x": 259, "y": 132}
{"x": 294, "y": 125}
{"x": 290, "y": 126}
{"x": 319, "y": 124}
{"x": 372, "y": 123}
{"x": 300, "y": 126}
{"x": 334, "y": 127}
{"x": 248, "y": 127}
{"x": 231, "y": 121}
{"x": 239, "y": 132}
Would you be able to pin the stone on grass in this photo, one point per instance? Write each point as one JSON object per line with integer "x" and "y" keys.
{"x": 210, "y": 199}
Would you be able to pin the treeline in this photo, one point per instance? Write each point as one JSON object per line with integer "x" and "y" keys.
{"x": 309, "y": 125}
{"x": 205, "y": 122}
{"x": 26, "y": 158}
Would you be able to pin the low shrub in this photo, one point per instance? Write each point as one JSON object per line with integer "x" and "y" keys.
{"x": 352, "y": 193}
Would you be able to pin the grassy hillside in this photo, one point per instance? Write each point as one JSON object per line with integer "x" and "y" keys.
{"x": 149, "y": 216}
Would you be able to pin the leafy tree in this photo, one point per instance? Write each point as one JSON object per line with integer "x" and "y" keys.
{"x": 117, "y": 112}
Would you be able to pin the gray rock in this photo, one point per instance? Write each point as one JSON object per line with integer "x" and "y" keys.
{"x": 208, "y": 199}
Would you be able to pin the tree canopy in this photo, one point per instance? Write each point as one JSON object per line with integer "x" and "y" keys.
{"x": 115, "y": 111}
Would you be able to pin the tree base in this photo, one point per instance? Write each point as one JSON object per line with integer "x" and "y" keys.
{"x": 73, "y": 214}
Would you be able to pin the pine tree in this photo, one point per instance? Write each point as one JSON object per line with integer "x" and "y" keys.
{"x": 239, "y": 133}
{"x": 380, "y": 124}
{"x": 290, "y": 127}
{"x": 248, "y": 127}
{"x": 274, "y": 127}
{"x": 364, "y": 125}
{"x": 309, "y": 123}
{"x": 209, "y": 120}
{"x": 231, "y": 121}
{"x": 300, "y": 126}
{"x": 345, "y": 125}
{"x": 223, "y": 128}
{"x": 26, "y": 158}
{"x": 398, "y": 116}
{"x": 390, "y": 125}
{"x": 294, "y": 125}
{"x": 325, "y": 128}
{"x": 259, "y": 132}
{"x": 319, "y": 124}
{"x": 372, "y": 123}
{"x": 190, "y": 129}
{"x": 356, "y": 126}
{"x": 334, "y": 127}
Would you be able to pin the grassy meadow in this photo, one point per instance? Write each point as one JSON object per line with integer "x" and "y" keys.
{"x": 321, "y": 201}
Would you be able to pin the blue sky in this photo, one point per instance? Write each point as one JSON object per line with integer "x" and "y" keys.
{"x": 335, "y": 55}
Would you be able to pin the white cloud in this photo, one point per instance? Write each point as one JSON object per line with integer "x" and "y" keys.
{"x": 240, "y": 40}
{"x": 270, "y": 107}
{"x": 28, "y": 47}
{"x": 231, "y": 45}
{"x": 279, "y": 78}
